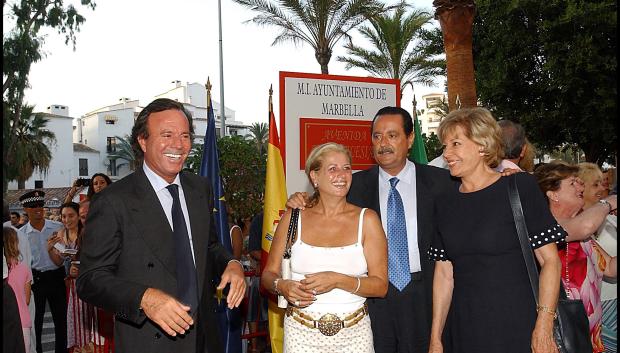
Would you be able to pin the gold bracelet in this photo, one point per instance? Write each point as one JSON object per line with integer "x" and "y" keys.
{"x": 275, "y": 286}
{"x": 359, "y": 283}
{"x": 547, "y": 310}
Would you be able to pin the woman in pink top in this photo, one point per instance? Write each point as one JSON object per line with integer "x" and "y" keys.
{"x": 20, "y": 279}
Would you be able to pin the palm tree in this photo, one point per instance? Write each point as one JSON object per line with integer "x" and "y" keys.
{"x": 319, "y": 23}
{"x": 123, "y": 151}
{"x": 29, "y": 151}
{"x": 259, "y": 133}
{"x": 391, "y": 35}
{"x": 456, "y": 18}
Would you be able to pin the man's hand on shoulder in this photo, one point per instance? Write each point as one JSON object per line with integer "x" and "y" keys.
{"x": 297, "y": 200}
{"x": 234, "y": 275}
{"x": 509, "y": 171}
{"x": 165, "y": 311}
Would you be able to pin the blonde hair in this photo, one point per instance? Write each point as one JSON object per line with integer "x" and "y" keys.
{"x": 527, "y": 162}
{"x": 588, "y": 172}
{"x": 11, "y": 246}
{"x": 315, "y": 162}
{"x": 480, "y": 127}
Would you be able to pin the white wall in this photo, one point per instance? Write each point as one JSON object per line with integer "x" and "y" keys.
{"x": 429, "y": 119}
{"x": 194, "y": 98}
{"x": 94, "y": 165}
{"x": 60, "y": 172}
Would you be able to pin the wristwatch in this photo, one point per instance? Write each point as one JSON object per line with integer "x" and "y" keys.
{"x": 605, "y": 202}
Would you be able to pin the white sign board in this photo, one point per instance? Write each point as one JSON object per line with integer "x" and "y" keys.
{"x": 316, "y": 108}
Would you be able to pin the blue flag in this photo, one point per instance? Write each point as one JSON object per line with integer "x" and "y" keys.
{"x": 229, "y": 319}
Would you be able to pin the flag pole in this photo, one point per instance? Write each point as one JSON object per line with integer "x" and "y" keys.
{"x": 222, "y": 106}
{"x": 418, "y": 150}
{"x": 208, "y": 86}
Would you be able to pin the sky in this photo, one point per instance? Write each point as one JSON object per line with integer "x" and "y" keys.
{"x": 136, "y": 48}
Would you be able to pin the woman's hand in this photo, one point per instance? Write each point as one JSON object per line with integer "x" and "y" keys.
{"x": 542, "y": 337}
{"x": 321, "y": 282}
{"x": 293, "y": 292}
{"x": 73, "y": 271}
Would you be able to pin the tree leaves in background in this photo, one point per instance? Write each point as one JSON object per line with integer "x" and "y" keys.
{"x": 551, "y": 65}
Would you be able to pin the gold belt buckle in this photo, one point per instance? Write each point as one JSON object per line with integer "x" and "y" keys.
{"x": 330, "y": 324}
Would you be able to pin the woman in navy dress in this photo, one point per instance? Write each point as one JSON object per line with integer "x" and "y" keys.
{"x": 482, "y": 298}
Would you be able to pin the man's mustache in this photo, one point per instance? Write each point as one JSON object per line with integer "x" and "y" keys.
{"x": 383, "y": 150}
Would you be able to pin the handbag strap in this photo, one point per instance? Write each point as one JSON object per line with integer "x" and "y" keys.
{"x": 526, "y": 248}
{"x": 292, "y": 231}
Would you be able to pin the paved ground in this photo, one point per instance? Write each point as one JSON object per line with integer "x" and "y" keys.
{"x": 47, "y": 340}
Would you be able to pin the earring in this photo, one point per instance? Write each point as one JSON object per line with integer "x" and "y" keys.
{"x": 316, "y": 185}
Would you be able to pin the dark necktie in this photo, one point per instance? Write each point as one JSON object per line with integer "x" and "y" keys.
{"x": 398, "y": 251}
{"x": 187, "y": 289}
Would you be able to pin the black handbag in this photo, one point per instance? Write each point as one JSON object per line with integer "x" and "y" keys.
{"x": 286, "y": 258}
{"x": 571, "y": 329}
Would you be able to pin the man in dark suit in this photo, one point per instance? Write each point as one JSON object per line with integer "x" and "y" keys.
{"x": 401, "y": 321}
{"x": 150, "y": 250}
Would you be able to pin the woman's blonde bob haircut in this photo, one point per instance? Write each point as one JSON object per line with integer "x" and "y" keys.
{"x": 315, "y": 162}
{"x": 589, "y": 172}
{"x": 480, "y": 127}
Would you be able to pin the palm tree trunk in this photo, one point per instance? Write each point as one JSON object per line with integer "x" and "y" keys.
{"x": 323, "y": 56}
{"x": 456, "y": 19}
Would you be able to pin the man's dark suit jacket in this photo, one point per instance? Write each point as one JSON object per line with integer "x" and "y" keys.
{"x": 128, "y": 247}
{"x": 430, "y": 181}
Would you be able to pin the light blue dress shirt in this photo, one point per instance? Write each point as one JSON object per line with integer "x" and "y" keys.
{"x": 41, "y": 260}
{"x": 407, "y": 189}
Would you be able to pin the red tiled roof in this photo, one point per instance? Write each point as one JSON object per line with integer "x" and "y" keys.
{"x": 12, "y": 196}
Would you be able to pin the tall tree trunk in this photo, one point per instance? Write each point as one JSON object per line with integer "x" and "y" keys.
{"x": 21, "y": 184}
{"x": 13, "y": 129}
{"x": 456, "y": 19}
{"x": 323, "y": 56}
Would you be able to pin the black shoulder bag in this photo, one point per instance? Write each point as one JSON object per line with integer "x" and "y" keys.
{"x": 286, "y": 257}
{"x": 571, "y": 329}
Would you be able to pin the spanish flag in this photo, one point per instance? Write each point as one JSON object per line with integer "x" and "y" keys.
{"x": 275, "y": 204}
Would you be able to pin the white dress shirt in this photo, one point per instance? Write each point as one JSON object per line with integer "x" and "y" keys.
{"x": 165, "y": 199}
{"x": 407, "y": 189}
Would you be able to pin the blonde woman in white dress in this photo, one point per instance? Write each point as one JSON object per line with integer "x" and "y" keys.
{"x": 338, "y": 259}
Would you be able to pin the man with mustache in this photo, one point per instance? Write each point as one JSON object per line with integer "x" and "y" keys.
{"x": 150, "y": 251}
{"x": 401, "y": 321}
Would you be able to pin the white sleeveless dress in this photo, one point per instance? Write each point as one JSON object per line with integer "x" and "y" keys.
{"x": 348, "y": 260}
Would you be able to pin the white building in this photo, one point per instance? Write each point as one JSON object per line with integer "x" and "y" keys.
{"x": 194, "y": 98}
{"x": 61, "y": 169}
{"x": 430, "y": 119}
{"x": 98, "y": 130}
{"x": 83, "y": 149}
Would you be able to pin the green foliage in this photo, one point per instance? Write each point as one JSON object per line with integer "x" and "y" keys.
{"x": 259, "y": 135}
{"x": 194, "y": 160}
{"x": 125, "y": 152}
{"x": 242, "y": 169}
{"x": 399, "y": 48}
{"x": 318, "y": 23}
{"x": 433, "y": 146}
{"x": 551, "y": 65}
{"x": 22, "y": 46}
{"x": 30, "y": 151}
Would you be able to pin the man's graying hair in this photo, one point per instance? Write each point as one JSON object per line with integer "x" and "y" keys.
{"x": 513, "y": 135}
{"x": 140, "y": 126}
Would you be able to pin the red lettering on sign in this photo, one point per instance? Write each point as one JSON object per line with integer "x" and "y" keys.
{"x": 353, "y": 134}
